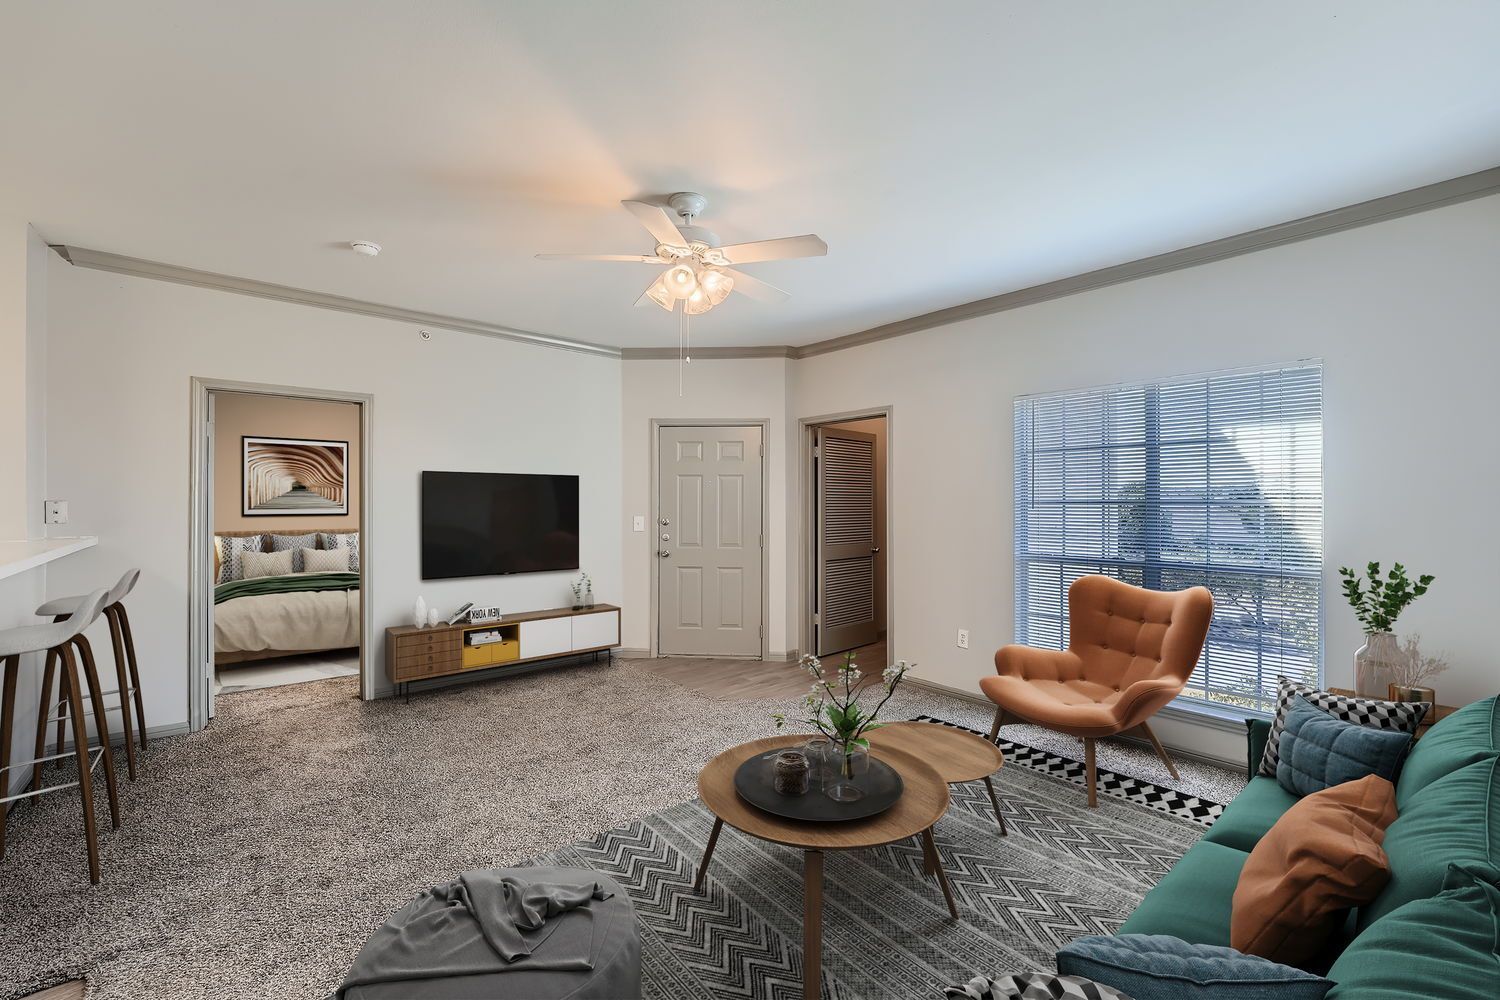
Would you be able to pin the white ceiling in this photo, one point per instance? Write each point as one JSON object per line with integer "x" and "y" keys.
{"x": 946, "y": 151}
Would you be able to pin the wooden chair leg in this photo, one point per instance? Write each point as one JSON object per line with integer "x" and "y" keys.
{"x": 999, "y": 721}
{"x": 1090, "y": 772}
{"x": 122, "y": 678}
{"x": 135, "y": 674}
{"x": 101, "y": 727}
{"x": 45, "y": 705}
{"x": 1161, "y": 751}
{"x": 81, "y": 755}
{"x": 7, "y": 727}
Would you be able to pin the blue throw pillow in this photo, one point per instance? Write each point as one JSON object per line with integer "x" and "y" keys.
{"x": 1158, "y": 967}
{"x": 1318, "y": 751}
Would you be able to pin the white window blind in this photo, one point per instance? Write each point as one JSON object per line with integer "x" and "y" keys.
{"x": 1209, "y": 479}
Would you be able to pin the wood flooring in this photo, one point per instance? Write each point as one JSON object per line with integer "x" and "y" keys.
{"x": 753, "y": 680}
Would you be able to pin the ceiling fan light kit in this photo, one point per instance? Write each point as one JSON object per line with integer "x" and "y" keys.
{"x": 698, "y": 270}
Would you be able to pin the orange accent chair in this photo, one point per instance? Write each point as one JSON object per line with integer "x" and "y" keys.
{"x": 1131, "y": 652}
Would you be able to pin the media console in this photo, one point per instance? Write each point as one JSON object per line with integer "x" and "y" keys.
{"x": 527, "y": 639}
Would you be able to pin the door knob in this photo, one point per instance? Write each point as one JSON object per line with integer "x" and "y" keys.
{"x": 664, "y": 521}
{"x": 665, "y": 554}
{"x": 874, "y": 549}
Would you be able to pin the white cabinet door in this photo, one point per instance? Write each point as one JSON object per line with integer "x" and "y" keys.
{"x": 546, "y": 637}
{"x": 599, "y": 629}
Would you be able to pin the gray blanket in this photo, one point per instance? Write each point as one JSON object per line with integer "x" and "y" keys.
{"x": 487, "y": 922}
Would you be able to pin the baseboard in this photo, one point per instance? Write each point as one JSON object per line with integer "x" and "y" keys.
{"x": 1177, "y": 751}
{"x": 784, "y": 656}
{"x": 116, "y": 740}
{"x": 633, "y": 654}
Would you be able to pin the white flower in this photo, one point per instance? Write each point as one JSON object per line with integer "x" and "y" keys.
{"x": 813, "y": 666}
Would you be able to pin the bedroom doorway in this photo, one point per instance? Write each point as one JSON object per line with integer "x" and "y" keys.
{"x": 281, "y": 553}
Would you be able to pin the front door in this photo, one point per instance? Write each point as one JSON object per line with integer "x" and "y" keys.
{"x": 708, "y": 539}
{"x": 847, "y": 546}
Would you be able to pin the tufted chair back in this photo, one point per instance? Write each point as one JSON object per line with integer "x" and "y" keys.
{"x": 1122, "y": 634}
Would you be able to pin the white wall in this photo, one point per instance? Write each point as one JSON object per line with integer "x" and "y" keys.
{"x": 123, "y": 350}
{"x": 748, "y": 389}
{"x": 1405, "y": 314}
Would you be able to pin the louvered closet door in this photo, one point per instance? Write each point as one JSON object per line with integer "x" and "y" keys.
{"x": 846, "y": 540}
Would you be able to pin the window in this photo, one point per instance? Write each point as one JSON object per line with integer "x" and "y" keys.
{"x": 1210, "y": 479}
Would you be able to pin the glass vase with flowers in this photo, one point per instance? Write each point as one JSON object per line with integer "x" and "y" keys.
{"x": 833, "y": 707}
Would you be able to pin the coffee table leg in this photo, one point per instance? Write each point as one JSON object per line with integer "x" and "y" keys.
{"x": 996, "y": 803}
{"x": 931, "y": 850}
{"x": 708, "y": 852}
{"x": 812, "y": 925}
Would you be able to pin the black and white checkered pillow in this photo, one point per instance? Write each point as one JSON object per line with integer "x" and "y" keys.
{"x": 293, "y": 544}
{"x": 230, "y": 549}
{"x": 1402, "y": 716}
{"x": 1033, "y": 986}
{"x": 342, "y": 540}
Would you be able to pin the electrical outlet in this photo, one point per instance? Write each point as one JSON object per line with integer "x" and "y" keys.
{"x": 638, "y": 523}
{"x": 963, "y": 638}
{"x": 56, "y": 512}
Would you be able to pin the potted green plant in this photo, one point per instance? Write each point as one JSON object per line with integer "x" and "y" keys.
{"x": 1377, "y": 602}
{"x": 833, "y": 709}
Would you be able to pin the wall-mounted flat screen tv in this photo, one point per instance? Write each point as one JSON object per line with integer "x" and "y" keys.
{"x": 495, "y": 523}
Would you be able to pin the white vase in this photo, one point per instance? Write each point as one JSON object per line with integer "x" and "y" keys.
{"x": 419, "y": 613}
{"x": 433, "y": 618}
{"x": 1375, "y": 665}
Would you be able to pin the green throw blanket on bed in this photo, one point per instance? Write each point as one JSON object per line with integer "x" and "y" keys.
{"x": 285, "y": 585}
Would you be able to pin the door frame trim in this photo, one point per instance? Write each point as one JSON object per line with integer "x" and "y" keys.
{"x": 807, "y": 561}
{"x": 764, "y": 423}
{"x": 200, "y": 528}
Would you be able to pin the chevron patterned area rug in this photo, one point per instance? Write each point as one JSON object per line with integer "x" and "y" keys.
{"x": 1063, "y": 872}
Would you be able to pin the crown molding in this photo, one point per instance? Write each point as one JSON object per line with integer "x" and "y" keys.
{"x": 101, "y": 261}
{"x": 707, "y": 353}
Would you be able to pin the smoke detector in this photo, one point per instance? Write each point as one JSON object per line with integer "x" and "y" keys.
{"x": 365, "y": 247}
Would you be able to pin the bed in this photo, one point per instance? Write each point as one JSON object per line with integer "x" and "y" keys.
{"x": 286, "y": 615}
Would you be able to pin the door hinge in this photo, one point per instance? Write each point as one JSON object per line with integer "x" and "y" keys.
{"x": 817, "y": 618}
{"x": 817, "y": 451}
{"x": 762, "y": 449}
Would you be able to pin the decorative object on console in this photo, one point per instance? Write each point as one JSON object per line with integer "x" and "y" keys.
{"x": 1371, "y": 713}
{"x": 583, "y": 592}
{"x": 1377, "y": 603}
{"x": 834, "y": 710}
{"x": 481, "y": 616}
{"x": 434, "y": 618}
{"x": 1161, "y": 967}
{"x": 1318, "y": 751}
{"x": 419, "y": 612}
{"x": 295, "y": 477}
{"x": 461, "y": 614}
{"x": 1322, "y": 857}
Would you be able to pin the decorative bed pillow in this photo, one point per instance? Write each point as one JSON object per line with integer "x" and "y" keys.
{"x": 230, "y": 549}
{"x": 1033, "y": 986}
{"x": 342, "y": 540}
{"x": 324, "y": 560}
{"x": 1318, "y": 751}
{"x": 293, "y": 544}
{"x": 1160, "y": 967}
{"x": 258, "y": 564}
{"x": 1403, "y": 716}
{"x": 1322, "y": 857}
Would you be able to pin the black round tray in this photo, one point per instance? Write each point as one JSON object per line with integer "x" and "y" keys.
{"x": 755, "y": 783}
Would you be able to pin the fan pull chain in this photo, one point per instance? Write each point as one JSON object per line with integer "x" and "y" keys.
{"x": 681, "y": 323}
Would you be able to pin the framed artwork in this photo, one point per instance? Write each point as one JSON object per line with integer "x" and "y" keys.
{"x": 295, "y": 477}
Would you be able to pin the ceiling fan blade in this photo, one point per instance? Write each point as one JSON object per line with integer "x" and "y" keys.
{"x": 638, "y": 258}
{"x": 657, "y": 222}
{"x": 782, "y": 249}
{"x": 755, "y": 288}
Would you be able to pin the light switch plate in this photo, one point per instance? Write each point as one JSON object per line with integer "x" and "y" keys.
{"x": 963, "y": 638}
{"x": 56, "y": 511}
{"x": 638, "y": 523}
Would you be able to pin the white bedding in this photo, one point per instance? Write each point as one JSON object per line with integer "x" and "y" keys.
{"x": 316, "y": 619}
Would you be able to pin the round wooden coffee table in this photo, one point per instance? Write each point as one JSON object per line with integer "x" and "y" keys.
{"x": 923, "y": 801}
{"x": 958, "y": 755}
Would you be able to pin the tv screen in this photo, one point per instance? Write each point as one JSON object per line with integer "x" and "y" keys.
{"x": 494, "y": 523}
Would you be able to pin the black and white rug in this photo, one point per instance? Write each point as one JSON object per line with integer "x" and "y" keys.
{"x": 1063, "y": 872}
{"x": 1123, "y": 786}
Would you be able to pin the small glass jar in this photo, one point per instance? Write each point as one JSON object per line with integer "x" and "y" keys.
{"x": 790, "y": 772}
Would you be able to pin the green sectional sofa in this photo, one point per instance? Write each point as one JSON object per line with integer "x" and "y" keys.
{"x": 1432, "y": 932}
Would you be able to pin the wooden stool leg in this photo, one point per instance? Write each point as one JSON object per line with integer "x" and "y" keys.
{"x": 81, "y": 755}
{"x": 1161, "y": 751}
{"x": 708, "y": 852}
{"x": 937, "y": 868}
{"x": 135, "y": 674}
{"x": 995, "y": 801}
{"x": 122, "y": 678}
{"x": 41, "y": 718}
{"x": 812, "y": 925}
{"x": 7, "y": 727}
{"x": 101, "y": 727}
{"x": 1089, "y": 772}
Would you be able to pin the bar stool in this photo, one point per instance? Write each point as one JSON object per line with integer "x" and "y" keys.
{"x": 58, "y": 640}
{"x": 126, "y": 671}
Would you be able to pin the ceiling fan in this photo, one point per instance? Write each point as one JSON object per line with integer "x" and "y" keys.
{"x": 699, "y": 272}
